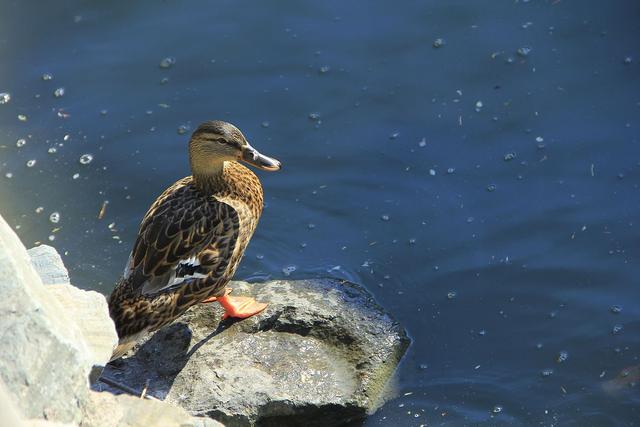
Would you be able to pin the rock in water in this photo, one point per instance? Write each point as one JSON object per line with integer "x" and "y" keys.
{"x": 321, "y": 354}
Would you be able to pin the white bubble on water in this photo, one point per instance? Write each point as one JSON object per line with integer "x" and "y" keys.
{"x": 167, "y": 62}
{"x": 85, "y": 159}
{"x": 54, "y": 218}
{"x": 289, "y": 269}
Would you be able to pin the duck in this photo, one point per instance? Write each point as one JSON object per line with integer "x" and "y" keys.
{"x": 192, "y": 238}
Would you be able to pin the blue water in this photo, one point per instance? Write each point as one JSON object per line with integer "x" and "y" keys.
{"x": 488, "y": 198}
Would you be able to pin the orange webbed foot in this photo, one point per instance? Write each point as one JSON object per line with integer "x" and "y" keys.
{"x": 240, "y": 307}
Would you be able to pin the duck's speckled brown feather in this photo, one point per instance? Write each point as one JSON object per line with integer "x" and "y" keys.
{"x": 209, "y": 218}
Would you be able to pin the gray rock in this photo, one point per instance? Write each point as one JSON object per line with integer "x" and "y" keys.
{"x": 48, "y": 264}
{"x": 321, "y": 354}
{"x": 42, "y": 356}
{"x": 90, "y": 312}
{"x": 108, "y": 410}
{"x": 87, "y": 309}
{"x": 51, "y": 337}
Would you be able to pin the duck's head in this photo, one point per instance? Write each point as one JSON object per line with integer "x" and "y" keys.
{"x": 215, "y": 142}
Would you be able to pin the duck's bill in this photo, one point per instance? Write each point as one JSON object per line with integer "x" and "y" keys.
{"x": 253, "y": 157}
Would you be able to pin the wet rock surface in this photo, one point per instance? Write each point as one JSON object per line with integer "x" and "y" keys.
{"x": 322, "y": 353}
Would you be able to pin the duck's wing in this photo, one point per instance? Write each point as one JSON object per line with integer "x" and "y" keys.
{"x": 184, "y": 235}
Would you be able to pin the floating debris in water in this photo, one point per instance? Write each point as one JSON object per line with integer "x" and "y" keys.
{"x": 8, "y": 175}
{"x": 314, "y": 116}
{"x": 385, "y": 217}
{"x": 438, "y": 43}
{"x": 103, "y": 209}
{"x": 546, "y": 372}
{"x": 75, "y": 176}
{"x": 259, "y": 256}
{"x": 59, "y": 93}
{"x": 479, "y": 106}
{"x": 5, "y": 97}
{"x": 54, "y": 218}
{"x": 182, "y": 129}
{"x": 31, "y": 163}
{"x": 470, "y": 219}
{"x": 432, "y": 172}
{"x": 412, "y": 241}
{"x": 164, "y": 80}
{"x": 47, "y": 77}
{"x": 104, "y": 112}
{"x": 167, "y": 62}
{"x": 616, "y": 329}
{"x": 539, "y": 139}
{"x": 509, "y": 156}
{"x": 21, "y": 142}
{"x": 524, "y": 51}
{"x": 451, "y": 170}
{"x": 311, "y": 226}
{"x": 615, "y": 309}
{"x": 452, "y": 294}
{"x": 324, "y": 69}
{"x": 497, "y": 409}
{"x": 422, "y": 142}
{"x": 265, "y": 124}
{"x": 52, "y": 238}
{"x": 85, "y": 159}
{"x": 288, "y": 270}
{"x": 628, "y": 60}
{"x": 491, "y": 187}
{"x": 562, "y": 357}
{"x": 22, "y": 117}
{"x": 63, "y": 114}
{"x": 39, "y": 209}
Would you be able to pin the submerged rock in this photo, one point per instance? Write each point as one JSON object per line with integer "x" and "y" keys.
{"x": 321, "y": 354}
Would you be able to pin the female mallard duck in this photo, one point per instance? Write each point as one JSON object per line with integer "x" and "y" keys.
{"x": 192, "y": 238}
